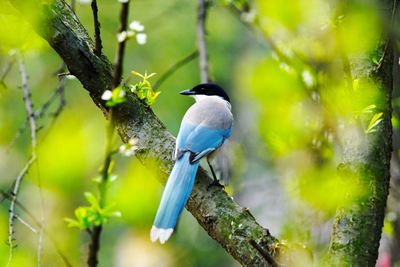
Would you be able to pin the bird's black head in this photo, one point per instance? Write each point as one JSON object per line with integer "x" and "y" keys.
{"x": 209, "y": 89}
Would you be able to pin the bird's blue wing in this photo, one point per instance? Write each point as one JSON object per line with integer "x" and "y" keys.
{"x": 200, "y": 140}
{"x": 185, "y": 130}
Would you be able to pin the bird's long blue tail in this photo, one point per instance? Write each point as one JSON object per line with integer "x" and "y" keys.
{"x": 176, "y": 193}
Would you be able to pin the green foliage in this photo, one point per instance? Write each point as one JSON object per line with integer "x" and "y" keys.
{"x": 96, "y": 213}
{"x": 92, "y": 215}
{"x": 143, "y": 89}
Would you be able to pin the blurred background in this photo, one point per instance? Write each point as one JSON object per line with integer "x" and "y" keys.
{"x": 283, "y": 67}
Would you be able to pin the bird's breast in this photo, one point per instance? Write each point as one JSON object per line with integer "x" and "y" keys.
{"x": 212, "y": 112}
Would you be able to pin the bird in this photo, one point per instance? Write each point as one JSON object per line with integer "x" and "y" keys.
{"x": 203, "y": 130}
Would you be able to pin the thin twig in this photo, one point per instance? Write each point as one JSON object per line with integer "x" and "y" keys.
{"x": 33, "y": 128}
{"x": 201, "y": 40}
{"x": 95, "y": 232}
{"x": 6, "y": 69}
{"x": 61, "y": 91}
{"x": 176, "y": 66}
{"x": 28, "y": 103}
{"x": 97, "y": 36}
{"x": 123, "y": 24}
{"x": 11, "y": 218}
{"x": 42, "y": 219}
{"x": 94, "y": 245}
{"x": 41, "y": 111}
{"x": 30, "y": 227}
{"x": 8, "y": 196}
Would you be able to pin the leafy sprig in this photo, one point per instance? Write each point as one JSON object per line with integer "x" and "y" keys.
{"x": 143, "y": 89}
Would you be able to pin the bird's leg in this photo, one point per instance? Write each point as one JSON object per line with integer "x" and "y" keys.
{"x": 215, "y": 182}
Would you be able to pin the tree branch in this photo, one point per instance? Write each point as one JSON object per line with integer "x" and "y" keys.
{"x": 123, "y": 24}
{"x": 201, "y": 40}
{"x": 97, "y": 34}
{"x": 95, "y": 232}
{"x": 224, "y": 220}
{"x": 174, "y": 68}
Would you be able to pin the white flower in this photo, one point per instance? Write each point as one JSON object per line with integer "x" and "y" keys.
{"x": 122, "y": 36}
{"x": 106, "y": 95}
{"x": 125, "y": 35}
{"x": 136, "y": 26}
{"x": 307, "y": 78}
{"x": 70, "y": 77}
{"x": 129, "y": 149}
{"x": 141, "y": 38}
{"x": 123, "y": 1}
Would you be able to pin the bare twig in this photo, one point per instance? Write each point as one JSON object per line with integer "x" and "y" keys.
{"x": 28, "y": 103}
{"x": 123, "y": 22}
{"x": 30, "y": 227}
{"x": 176, "y": 66}
{"x": 97, "y": 36}
{"x": 201, "y": 40}
{"x": 61, "y": 91}
{"x": 6, "y": 69}
{"x": 33, "y": 129}
{"x": 94, "y": 245}
{"x": 41, "y": 111}
{"x": 36, "y": 222}
{"x": 14, "y": 194}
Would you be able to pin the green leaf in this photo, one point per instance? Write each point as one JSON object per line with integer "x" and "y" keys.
{"x": 137, "y": 74}
{"x": 369, "y": 109}
{"x": 72, "y": 223}
{"x": 91, "y": 199}
{"x": 376, "y": 119}
{"x": 143, "y": 89}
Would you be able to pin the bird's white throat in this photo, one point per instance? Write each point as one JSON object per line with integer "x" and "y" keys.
{"x": 199, "y": 98}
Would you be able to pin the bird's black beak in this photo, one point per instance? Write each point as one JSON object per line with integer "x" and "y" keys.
{"x": 187, "y": 92}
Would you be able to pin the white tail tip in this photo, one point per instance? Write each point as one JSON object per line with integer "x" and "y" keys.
{"x": 160, "y": 233}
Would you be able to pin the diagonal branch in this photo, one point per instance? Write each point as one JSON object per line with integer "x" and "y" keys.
{"x": 231, "y": 225}
{"x": 176, "y": 66}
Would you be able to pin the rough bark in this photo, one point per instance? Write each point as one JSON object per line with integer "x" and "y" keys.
{"x": 231, "y": 225}
{"x": 357, "y": 227}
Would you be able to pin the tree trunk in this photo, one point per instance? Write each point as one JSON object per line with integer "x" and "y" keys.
{"x": 357, "y": 226}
